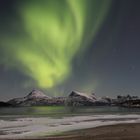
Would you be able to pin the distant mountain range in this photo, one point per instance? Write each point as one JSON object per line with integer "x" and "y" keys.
{"x": 75, "y": 98}
{"x": 38, "y": 98}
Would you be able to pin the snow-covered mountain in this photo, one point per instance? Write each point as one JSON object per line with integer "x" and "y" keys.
{"x": 36, "y": 98}
{"x": 77, "y": 98}
{"x": 82, "y": 99}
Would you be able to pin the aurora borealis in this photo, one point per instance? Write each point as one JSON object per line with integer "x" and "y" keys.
{"x": 61, "y": 45}
{"x": 54, "y": 32}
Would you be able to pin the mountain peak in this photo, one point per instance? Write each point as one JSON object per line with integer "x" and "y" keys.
{"x": 36, "y": 94}
{"x": 76, "y": 93}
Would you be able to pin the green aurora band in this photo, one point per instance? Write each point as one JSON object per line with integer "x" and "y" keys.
{"x": 52, "y": 33}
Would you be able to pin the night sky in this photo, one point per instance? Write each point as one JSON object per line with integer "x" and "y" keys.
{"x": 62, "y": 45}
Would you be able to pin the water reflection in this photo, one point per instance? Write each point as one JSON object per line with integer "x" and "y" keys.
{"x": 62, "y": 110}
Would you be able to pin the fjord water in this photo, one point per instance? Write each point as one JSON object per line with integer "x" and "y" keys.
{"x": 54, "y": 111}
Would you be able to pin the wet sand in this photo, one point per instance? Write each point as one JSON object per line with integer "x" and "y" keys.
{"x": 112, "y": 132}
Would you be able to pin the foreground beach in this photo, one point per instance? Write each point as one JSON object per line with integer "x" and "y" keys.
{"x": 76, "y": 126}
{"x": 112, "y": 132}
